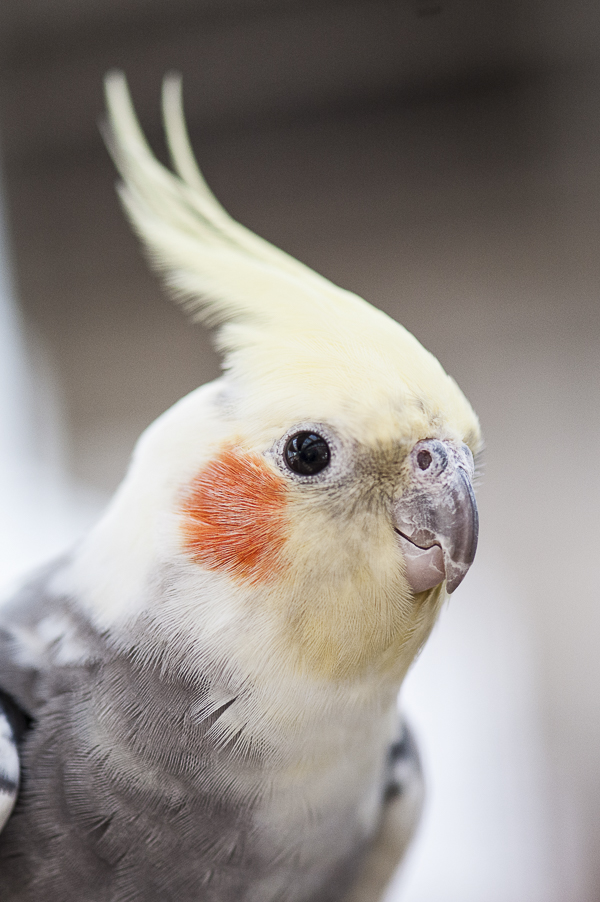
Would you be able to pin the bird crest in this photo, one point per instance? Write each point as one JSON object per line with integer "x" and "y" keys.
{"x": 278, "y": 323}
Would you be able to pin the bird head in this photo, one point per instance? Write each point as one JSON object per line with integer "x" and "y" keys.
{"x": 323, "y": 485}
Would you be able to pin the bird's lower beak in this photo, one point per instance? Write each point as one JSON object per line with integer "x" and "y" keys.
{"x": 436, "y": 519}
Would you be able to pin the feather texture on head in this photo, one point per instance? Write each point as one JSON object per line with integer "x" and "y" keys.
{"x": 278, "y": 322}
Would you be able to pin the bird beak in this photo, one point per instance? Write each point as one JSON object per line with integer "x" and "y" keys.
{"x": 436, "y": 519}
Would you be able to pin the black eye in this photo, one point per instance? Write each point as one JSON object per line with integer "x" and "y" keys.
{"x": 307, "y": 453}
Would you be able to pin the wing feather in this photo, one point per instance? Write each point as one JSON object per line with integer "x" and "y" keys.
{"x": 9, "y": 762}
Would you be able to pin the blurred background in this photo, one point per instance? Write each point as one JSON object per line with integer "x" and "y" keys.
{"x": 442, "y": 159}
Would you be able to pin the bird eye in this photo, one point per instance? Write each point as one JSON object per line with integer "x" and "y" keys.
{"x": 307, "y": 453}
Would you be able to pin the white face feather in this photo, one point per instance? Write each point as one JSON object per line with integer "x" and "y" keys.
{"x": 334, "y": 599}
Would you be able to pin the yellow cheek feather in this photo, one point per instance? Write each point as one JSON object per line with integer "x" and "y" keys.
{"x": 344, "y": 604}
{"x": 330, "y": 575}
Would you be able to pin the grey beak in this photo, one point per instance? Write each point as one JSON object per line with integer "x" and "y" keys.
{"x": 436, "y": 519}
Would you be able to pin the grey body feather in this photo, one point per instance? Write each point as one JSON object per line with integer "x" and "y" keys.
{"x": 130, "y": 789}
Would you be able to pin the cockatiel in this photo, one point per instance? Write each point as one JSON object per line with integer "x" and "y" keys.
{"x": 203, "y": 693}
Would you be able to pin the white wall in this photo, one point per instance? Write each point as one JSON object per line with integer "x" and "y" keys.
{"x": 42, "y": 510}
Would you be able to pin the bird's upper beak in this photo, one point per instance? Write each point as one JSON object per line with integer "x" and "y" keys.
{"x": 436, "y": 519}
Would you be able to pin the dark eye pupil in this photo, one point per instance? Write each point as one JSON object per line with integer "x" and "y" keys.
{"x": 307, "y": 453}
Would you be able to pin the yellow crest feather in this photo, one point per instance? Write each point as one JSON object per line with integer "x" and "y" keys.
{"x": 278, "y": 322}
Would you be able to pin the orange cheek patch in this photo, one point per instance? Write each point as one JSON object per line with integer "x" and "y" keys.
{"x": 234, "y": 517}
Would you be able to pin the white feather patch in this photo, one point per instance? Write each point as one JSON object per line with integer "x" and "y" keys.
{"x": 9, "y": 769}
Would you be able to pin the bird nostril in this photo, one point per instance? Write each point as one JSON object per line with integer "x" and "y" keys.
{"x": 424, "y": 459}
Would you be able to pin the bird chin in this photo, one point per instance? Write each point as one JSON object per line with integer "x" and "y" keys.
{"x": 424, "y": 566}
